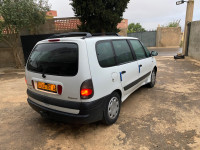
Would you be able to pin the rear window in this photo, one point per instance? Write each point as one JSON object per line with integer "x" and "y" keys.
{"x": 59, "y": 59}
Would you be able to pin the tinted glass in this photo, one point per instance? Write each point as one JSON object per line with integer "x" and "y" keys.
{"x": 147, "y": 51}
{"x": 55, "y": 59}
{"x": 105, "y": 54}
{"x": 138, "y": 49}
{"x": 122, "y": 51}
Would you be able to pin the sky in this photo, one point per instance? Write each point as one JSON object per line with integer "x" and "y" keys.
{"x": 149, "y": 13}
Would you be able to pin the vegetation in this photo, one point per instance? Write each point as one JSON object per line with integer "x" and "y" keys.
{"x": 175, "y": 23}
{"x": 135, "y": 28}
{"x": 99, "y": 16}
{"x": 17, "y": 15}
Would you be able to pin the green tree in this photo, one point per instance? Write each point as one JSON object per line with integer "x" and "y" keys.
{"x": 99, "y": 16}
{"x": 17, "y": 15}
{"x": 135, "y": 28}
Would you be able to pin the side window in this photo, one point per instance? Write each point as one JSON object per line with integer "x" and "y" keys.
{"x": 122, "y": 51}
{"x": 138, "y": 49}
{"x": 105, "y": 54}
{"x": 147, "y": 51}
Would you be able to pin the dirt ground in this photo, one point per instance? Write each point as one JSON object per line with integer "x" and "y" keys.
{"x": 166, "y": 117}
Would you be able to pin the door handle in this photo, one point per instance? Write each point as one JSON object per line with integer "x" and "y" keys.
{"x": 123, "y": 72}
{"x": 139, "y": 67}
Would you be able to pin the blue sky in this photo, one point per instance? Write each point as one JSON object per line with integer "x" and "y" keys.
{"x": 148, "y": 13}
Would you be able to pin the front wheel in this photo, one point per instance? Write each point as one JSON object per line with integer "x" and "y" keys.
{"x": 112, "y": 109}
{"x": 153, "y": 79}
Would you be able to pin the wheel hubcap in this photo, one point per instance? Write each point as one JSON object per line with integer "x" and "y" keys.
{"x": 113, "y": 108}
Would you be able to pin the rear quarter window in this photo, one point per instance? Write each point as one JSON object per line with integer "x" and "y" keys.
{"x": 60, "y": 59}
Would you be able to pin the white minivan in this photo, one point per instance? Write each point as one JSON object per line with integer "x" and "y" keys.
{"x": 82, "y": 78}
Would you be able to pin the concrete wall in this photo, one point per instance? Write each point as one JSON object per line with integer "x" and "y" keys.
{"x": 6, "y": 55}
{"x": 168, "y": 36}
{"x": 123, "y": 32}
{"x": 47, "y": 28}
{"x": 123, "y": 24}
{"x": 194, "y": 41}
{"x": 6, "y": 58}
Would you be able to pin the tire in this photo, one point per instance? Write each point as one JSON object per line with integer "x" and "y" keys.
{"x": 153, "y": 79}
{"x": 112, "y": 109}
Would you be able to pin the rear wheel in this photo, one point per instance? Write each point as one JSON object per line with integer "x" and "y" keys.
{"x": 112, "y": 109}
{"x": 153, "y": 79}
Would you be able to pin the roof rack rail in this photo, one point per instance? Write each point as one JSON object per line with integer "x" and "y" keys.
{"x": 82, "y": 34}
{"x": 105, "y": 34}
{"x": 71, "y": 34}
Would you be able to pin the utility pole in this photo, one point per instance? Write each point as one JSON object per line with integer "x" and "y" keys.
{"x": 188, "y": 19}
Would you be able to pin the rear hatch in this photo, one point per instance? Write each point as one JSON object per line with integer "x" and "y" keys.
{"x": 54, "y": 69}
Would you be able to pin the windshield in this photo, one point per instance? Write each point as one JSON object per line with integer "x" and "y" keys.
{"x": 54, "y": 59}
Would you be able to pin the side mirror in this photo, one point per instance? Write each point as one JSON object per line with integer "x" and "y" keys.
{"x": 154, "y": 53}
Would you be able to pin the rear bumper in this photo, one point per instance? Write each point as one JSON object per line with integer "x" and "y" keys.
{"x": 89, "y": 112}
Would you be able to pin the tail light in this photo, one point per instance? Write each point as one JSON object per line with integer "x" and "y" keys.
{"x": 59, "y": 89}
{"x": 87, "y": 90}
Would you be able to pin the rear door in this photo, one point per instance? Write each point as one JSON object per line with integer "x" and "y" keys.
{"x": 58, "y": 63}
{"x": 127, "y": 65}
{"x": 145, "y": 62}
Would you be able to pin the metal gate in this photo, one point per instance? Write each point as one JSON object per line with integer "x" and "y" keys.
{"x": 147, "y": 38}
{"x": 28, "y": 42}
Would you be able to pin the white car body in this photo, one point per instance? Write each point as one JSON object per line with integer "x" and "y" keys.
{"x": 105, "y": 80}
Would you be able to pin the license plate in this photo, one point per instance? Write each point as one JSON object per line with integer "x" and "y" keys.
{"x": 47, "y": 87}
